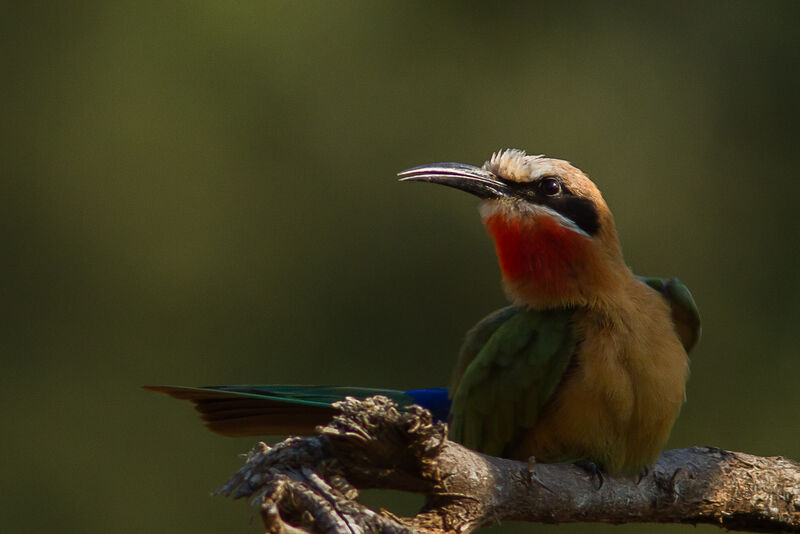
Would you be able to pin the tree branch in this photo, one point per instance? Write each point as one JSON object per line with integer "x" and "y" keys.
{"x": 309, "y": 484}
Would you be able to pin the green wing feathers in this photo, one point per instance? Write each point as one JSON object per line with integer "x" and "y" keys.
{"x": 685, "y": 314}
{"x": 476, "y": 338}
{"x": 511, "y": 377}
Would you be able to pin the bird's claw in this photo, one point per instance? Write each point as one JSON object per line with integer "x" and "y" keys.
{"x": 532, "y": 476}
{"x": 593, "y": 470}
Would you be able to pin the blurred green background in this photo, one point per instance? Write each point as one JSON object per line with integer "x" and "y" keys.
{"x": 205, "y": 192}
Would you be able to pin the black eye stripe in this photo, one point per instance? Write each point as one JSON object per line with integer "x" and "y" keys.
{"x": 535, "y": 186}
{"x": 579, "y": 210}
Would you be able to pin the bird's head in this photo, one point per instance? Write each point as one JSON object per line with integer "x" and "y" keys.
{"x": 554, "y": 234}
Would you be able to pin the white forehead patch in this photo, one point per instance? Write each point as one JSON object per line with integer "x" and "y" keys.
{"x": 517, "y": 166}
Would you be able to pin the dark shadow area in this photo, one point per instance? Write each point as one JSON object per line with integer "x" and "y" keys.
{"x": 400, "y": 503}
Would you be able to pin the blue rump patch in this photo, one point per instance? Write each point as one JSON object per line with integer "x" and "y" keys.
{"x": 434, "y": 399}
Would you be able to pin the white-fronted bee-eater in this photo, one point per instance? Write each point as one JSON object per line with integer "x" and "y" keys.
{"x": 588, "y": 364}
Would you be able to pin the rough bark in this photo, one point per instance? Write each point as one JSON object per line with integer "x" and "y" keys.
{"x": 309, "y": 484}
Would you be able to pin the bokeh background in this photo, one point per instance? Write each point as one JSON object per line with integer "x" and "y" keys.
{"x": 204, "y": 192}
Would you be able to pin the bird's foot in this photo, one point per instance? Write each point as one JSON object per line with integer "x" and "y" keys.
{"x": 532, "y": 476}
{"x": 593, "y": 470}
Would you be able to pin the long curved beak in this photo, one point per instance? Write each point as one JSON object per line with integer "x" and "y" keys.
{"x": 469, "y": 178}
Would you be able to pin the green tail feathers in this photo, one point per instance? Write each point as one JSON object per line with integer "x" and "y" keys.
{"x": 249, "y": 410}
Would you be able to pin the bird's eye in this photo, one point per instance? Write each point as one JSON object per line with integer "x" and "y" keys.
{"x": 550, "y": 187}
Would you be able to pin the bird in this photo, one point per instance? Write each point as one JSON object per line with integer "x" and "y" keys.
{"x": 588, "y": 364}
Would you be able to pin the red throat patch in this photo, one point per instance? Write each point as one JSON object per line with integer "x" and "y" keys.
{"x": 537, "y": 251}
